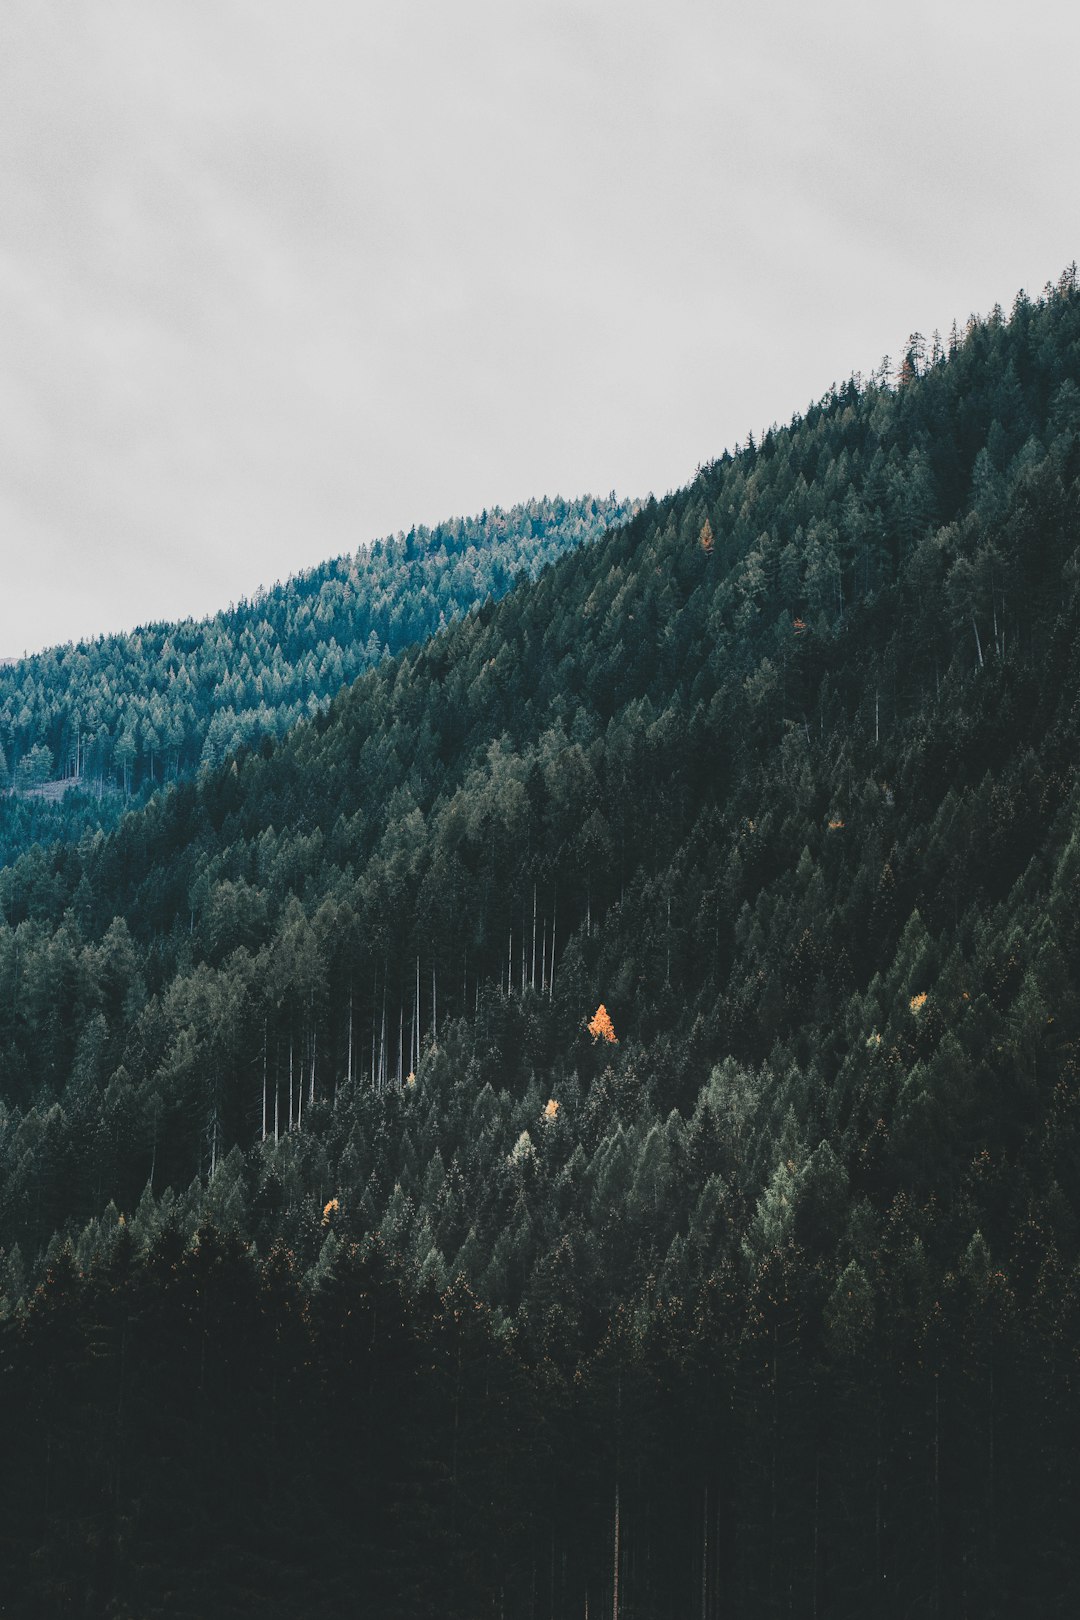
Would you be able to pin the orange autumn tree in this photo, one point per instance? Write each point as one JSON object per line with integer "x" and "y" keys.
{"x": 601, "y": 1027}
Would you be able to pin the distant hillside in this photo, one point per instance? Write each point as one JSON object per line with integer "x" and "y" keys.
{"x": 588, "y": 1122}
{"x": 130, "y": 712}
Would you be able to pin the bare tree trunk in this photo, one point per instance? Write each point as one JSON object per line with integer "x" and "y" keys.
{"x": 533, "y": 984}
{"x": 382, "y": 1037}
{"x": 615, "y": 1559}
{"x": 772, "y": 1475}
{"x": 618, "y": 1523}
{"x": 978, "y": 643}
{"x": 374, "y": 1020}
{"x": 414, "y": 1031}
{"x": 817, "y": 1529}
{"x": 705, "y": 1557}
{"x": 937, "y": 1499}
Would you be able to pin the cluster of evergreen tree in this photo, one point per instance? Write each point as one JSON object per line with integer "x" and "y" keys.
{"x": 349, "y": 1242}
{"x": 123, "y": 714}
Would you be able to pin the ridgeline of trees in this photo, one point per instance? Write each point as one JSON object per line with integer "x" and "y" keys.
{"x": 123, "y": 714}
{"x": 588, "y": 1123}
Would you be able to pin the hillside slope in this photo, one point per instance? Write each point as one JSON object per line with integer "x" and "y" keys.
{"x": 757, "y": 1296}
{"x": 118, "y": 716}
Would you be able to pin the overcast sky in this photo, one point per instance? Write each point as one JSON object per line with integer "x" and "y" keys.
{"x": 276, "y": 278}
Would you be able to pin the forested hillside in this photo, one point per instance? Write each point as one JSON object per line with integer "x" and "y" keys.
{"x": 588, "y": 1123}
{"x": 118, "y": 716}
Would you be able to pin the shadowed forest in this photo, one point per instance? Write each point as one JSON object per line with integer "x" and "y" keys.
{"x": 586, "y": 1123}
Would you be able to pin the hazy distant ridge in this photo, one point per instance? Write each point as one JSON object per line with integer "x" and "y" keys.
{"x": 127, "y": 712}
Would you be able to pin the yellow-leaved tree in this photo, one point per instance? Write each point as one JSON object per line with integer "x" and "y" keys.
{"x": 601, "y": 1027}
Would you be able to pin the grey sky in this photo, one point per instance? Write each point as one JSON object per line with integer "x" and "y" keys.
{"x": 278, "y": 278}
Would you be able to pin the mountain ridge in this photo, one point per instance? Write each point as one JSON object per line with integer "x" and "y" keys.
{"x": 115, "y": 716}
{"x": 759, "y": 1291}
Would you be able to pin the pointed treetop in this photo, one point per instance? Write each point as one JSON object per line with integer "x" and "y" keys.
{"x": 601, "y": 1027}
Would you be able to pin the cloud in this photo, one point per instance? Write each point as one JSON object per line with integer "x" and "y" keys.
{"x": 275, "y": 281}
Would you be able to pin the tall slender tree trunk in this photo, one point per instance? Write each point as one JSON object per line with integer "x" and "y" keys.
{"x": 414, "y": 1030}
{"x": 615, "y": 1558}
{"x": 878, "y": 1561}
{"x": 382, "y": 1038}
{"x": 772, "y": 1471}
{"x": 705, "y": 1556}
{"x": 618, "y": 1518}
{"x": 937, "y": 1498}
{"x": 374, "y": 1023}
{"x": 817, "y": 1531}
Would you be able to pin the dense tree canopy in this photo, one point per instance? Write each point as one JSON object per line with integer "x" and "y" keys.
{"x": 125, "y": 713}
{"x": 322, "y": 1180}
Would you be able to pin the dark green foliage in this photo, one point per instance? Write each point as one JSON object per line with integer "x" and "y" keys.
{"x": 786, "y": 1285}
